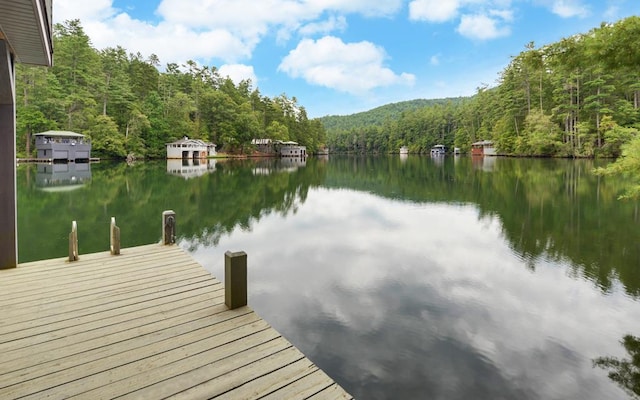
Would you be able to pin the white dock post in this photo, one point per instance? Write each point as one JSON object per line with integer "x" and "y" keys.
{"x": 235, "y": 279}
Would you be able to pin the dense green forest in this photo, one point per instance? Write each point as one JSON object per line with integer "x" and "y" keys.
{"x": 579, "y": 97}
{"x": 380, "y": 115}
{"x": 127, "y": 106}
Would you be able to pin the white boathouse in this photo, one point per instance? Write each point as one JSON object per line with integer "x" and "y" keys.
{"x": 190, "y": 148}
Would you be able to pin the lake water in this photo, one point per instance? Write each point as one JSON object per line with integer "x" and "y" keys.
{"x": 413, "y": 278}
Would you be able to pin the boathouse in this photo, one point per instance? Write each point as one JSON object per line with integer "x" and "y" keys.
{"x": 265, "y": 146}
{"x": 190, "y": 148}
{"x": 290, "y": 149}
{"x": 483, "y": 148}
{"x": 63, "y": 146}
{"x": 26, "y": 37}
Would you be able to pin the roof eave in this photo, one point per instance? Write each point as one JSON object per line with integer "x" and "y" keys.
{"x": 26, "y": 25}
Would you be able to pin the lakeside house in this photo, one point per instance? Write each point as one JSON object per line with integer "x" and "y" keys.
{"x": 279, "y": 148}
{"x": 290, "y": 149}
{"x": 265, "y": 146}
{"x": 190, "y": 148}
{"x": 438, "y": 150}
{"x": 63, "y": 146}
{"x": 483, "y": 148}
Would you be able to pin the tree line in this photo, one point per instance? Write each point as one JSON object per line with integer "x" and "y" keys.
{"x": 128, "y": 107}
{"x": 578, "y": 97}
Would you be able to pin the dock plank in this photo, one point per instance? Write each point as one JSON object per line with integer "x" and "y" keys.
{"x": 149, "y": 323}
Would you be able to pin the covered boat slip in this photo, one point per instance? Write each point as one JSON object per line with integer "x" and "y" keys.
{"x": 149, "y": 323}
{"x": 25, "y": 36}
{"x": 63, "y": 146}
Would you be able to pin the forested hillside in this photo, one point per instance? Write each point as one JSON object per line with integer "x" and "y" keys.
{"x": 379, "y": 115}
{"x": 579, "y": 97}
{"x": 127, "y": 106}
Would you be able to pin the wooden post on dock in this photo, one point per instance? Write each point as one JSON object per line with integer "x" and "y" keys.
{"x": 235, "y": 279}
{"x": 168, "y": 227}
{"x": 114, "y": 234}
{"x": 73, "y": 242}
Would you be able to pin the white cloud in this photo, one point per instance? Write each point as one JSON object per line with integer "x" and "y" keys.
{"x": 332, "y": 24}
{"x": 569, "y": 8}
{"x": 435, "y": 60}
{"x": 83, "y": 10}
{"x": 348, "y": 67}
{"x": 504, "y": 14}
{"x": 238, "y": 73}
{"x": 228, "y": 30}
{"x": 481, "y": 27}
{"x": 481, "y": 19}
{"x": 433, "y": 10}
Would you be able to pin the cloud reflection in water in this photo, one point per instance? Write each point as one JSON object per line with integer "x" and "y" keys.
{"x": 403, "y": 300}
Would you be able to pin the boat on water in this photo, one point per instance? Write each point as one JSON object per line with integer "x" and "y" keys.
{"x": 404, "y": 150}
{"x": 438, "y": 150}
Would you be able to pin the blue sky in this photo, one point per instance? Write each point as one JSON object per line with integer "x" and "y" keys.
{"x": 342, "y": 56}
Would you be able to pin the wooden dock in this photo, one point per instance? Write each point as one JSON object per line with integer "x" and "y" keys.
{"x": 149, "y": 323}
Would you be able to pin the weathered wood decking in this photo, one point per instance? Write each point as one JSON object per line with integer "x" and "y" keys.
{"x": 150, "y": 323}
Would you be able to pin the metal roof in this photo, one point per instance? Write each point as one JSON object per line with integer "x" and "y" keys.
{"x": 26, "y": 26}
{"x": 186, "y": 140}
{"x": 59, "y": 134}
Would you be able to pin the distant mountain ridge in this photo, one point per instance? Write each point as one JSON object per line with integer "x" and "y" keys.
{"x": 377, "y": 116}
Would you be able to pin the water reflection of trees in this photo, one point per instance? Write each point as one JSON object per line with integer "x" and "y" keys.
{"x": 548, "y": 209}
{"x": 207, "y": 207}
{"x": 553, "y": 209}
{"x": 626, "y": 371}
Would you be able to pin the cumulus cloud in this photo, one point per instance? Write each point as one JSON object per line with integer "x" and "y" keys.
{"x": 324, "y": 27}
{"x": 228, "y": 30}
{"x": 435, "y": 60}
{"x": 569, "y": 8}
{"x": 354, "y": 68}
{"x": 238, "y": 73}
{"x": 481, "y": 27}
{"x": 433, "y": 10}
{"x": 84, "y": 10}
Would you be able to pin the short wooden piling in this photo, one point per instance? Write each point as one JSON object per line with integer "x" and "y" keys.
{"x": 235, "y": 279}
{"x": 114, "y": 234}
{"x": 73, "y": 242}
{"x": 168, "y": 227}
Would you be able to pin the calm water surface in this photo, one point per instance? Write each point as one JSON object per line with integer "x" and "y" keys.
{"x": 405, "y": 278}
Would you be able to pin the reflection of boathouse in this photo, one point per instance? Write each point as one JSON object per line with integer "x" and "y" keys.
{"x": 63, "y": 146}
{"x": 62, "y": 177}
{"x": 267, "y": 166}
{"x": 190, "y": 168}
{"x": 190, "y": 148}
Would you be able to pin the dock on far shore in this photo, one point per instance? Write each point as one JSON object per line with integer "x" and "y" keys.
{"x": 149, "y": 323}
{"x": 51, "y": 160}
